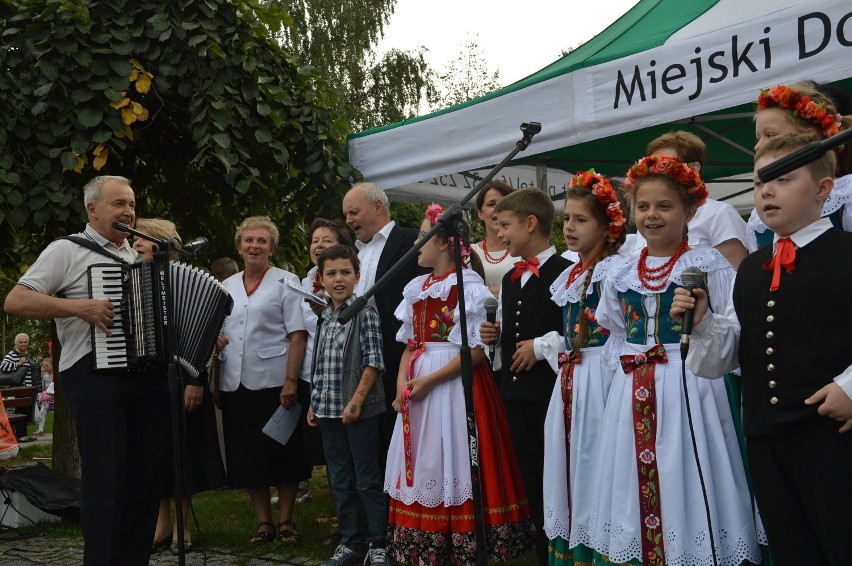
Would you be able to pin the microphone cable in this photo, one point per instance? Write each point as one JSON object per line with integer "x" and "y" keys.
{"x": 698, "y": 460}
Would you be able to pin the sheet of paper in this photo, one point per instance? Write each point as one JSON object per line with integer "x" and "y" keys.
{"x": 283, "y": 422}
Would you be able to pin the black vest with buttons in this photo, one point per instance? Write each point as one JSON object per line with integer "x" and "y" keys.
{"x": 797, "y": 339}
{"x": 529, "y": 313}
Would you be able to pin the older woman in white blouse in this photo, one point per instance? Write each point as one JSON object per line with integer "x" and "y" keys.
{"x": 261, "y": 353}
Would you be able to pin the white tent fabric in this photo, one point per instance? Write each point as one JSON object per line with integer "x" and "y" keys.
{"x": 718, "y": 61}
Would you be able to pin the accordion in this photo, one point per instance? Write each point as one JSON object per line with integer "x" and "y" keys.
{"x": 142, "y": 323}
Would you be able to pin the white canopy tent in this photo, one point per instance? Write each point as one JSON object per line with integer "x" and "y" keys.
{"x": 664, "y": 65}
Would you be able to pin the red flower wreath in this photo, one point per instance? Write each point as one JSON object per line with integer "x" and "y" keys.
{"x": 602, "y": 189}
{"x": 680, "y": 172}
{"x": 781, "y": 96}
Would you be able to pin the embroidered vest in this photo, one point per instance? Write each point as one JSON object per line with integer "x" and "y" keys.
{"x": 797, "y": 339}
{"x": 529, "y": 313}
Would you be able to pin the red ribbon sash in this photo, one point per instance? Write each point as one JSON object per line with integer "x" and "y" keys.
{"x": 645, "y": 442}
{"x": 567, "y": 362}
{"x": 416, "y": 350}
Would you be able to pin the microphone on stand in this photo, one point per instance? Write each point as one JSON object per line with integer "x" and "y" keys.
{"x": 198, "y": 244}
{"x": 491, "y": 305}
{"x": 691, "y": 278}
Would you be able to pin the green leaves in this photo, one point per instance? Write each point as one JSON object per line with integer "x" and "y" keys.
{"x": 193, "y": 100}
{"x": 90, "y": 117}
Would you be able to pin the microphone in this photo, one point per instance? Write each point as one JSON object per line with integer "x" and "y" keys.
{"x": 121, "y": 226}
{"x": 198, "y": 244}
{"x": 691, "y": 278}
{"x": 491, "y": 305}
{"x": 802, "y": 156}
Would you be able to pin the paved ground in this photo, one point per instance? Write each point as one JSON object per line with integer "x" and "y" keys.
{"x": 52, "y": 551}
{"x": 61, "y": 552}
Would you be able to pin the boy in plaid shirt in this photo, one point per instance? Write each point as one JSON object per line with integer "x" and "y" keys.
{"x": 347, "y": 398}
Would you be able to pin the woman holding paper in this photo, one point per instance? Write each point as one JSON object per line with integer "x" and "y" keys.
{"x": 260, "y": 357}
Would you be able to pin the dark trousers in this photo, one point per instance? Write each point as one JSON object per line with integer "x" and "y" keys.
{"x": 350, "y": 454}
{"x": 801, "y": 484}
{"x": 122, "y": 431}
{"x": 526, "y": 425}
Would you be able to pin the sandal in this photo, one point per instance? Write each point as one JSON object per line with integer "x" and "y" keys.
{"x": 261, "y": 536}
{"x": 288, "y": 535}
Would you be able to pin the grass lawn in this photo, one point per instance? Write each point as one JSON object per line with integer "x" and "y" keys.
{"x": 225, "y": 517}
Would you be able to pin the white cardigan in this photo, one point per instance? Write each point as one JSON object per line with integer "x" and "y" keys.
{"x": 258, "y": 330}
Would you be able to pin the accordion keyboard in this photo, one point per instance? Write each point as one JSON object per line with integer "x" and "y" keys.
{"x": 110, "y": 351}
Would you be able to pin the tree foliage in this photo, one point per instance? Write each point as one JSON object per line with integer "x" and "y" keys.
{"x": 465, "y": 78}
{"x": 195, "y": 101}
{"x": 338, "y": 38}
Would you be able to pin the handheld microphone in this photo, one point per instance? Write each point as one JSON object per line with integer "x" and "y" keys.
{"x": 491, "y": 305}
{"x": 691, "y": 279}
{"x": 198, "y": 244}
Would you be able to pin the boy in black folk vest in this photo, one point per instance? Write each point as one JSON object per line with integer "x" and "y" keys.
{"x": 789, "y": 327}
{"x": 525, "y": 220}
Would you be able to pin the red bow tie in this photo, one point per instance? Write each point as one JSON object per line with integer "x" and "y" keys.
{"x": 785, "y": 255}
{"x": 522, "y": 266}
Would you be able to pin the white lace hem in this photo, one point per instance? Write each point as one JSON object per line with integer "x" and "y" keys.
{"x": 454, "y": 491}
{"x": 681, "y": 549}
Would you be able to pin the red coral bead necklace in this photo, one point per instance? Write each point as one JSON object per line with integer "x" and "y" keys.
{"x": 650, "y": 276}
{"x": 251, "y": 291}
{"x": 580, "y": 268}
{"x": 491, "y": 259}
{"x": 431, "y": 279}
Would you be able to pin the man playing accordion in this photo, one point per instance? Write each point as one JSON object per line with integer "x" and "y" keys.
{"x": 121, "y": 414}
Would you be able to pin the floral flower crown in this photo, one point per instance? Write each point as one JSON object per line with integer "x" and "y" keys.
{"x": 802, "y": 106}
{"x": 607, "y": 197}
{"x": 671, "y": 167}
{"x": 434, "y": 212}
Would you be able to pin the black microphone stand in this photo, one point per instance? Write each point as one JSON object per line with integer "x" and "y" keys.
{"x": 451, "y": 221}
{"x": 802, "y": 156}
{"x": 457, "y": 223}
{"x": 162, "y": 258}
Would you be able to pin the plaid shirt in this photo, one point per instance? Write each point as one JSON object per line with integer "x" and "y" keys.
{"x": 326, "y": 394}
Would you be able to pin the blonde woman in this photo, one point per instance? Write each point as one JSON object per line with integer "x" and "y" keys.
{"x": 203, "y": 468}
{"x": 260, "y": 357}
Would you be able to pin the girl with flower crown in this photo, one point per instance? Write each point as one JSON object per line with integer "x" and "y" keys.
{"x": 798, "y": 108}
{"x": 428, "y": 471}
{"x": 648, "y": 503}
{"x": 594, "y": 227}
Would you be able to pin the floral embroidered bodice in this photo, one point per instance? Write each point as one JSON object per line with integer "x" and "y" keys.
{"x": 639, "y": 316}
{"x": 433, "y": 317}
{"x": 579, "y": 300}
{"x": 636, "y": 318}
{"x": 586, "y": 308}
